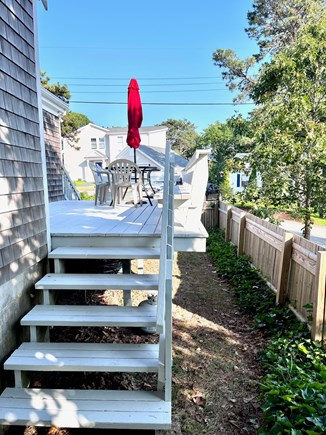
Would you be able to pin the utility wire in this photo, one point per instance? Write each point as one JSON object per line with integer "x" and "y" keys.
{"x": 128, "y": 78}
{"x": 149, "y": 92}
{"x": 163, "y": 104}
{"x": 142, "y": 85}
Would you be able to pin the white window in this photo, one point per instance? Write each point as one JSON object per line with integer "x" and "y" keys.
{"x": 101, "y": 143}
{"x": 93, "y": 143}
{"x": 120, "y": 140}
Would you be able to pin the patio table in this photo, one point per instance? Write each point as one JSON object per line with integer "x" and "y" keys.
{"x": 146, "y": 170}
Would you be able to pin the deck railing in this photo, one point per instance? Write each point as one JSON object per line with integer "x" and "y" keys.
{"x": 164, "y": 303}
{"x": 295, "y": 268}
{"x": 69, "y": 190}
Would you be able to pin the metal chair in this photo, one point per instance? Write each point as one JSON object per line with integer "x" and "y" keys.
{"x": 125, "y": 174}
{"x": 102, "y": 182}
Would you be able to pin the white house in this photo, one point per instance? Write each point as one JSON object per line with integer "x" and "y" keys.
{"x": 103, "y": 145}
{"x": 240, "y": 179}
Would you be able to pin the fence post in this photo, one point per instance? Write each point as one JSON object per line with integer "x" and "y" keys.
{"x": 318, "y": 327}
{"x": 242, "y": 225}
{"x": 218, "y": 213}
{"x": 285, "y": 261}
{"x": 228, "y": 223}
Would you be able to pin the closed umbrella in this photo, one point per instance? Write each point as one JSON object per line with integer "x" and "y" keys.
{"x": 135, "y": 116}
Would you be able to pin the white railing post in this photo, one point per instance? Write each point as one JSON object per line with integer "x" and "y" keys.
{"x": 69, "y": 190}
{"x": 164, "y": 303}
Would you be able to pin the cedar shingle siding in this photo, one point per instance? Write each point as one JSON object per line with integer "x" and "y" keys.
{"x": 52, "y": 139}
{"x": 22, "y": 211}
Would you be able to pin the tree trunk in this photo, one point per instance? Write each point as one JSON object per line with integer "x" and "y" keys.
{"x": 307, "y": 226}
{"x": 307, "y": 212}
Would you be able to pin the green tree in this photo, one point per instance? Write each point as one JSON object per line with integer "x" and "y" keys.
{"x": 71, "y": 122}
{"x": 182, "y": 136}
{"x": 58, "y": 89}
{"x": 274, "y": 25}
{"x": 219, "y": 138}
{"x": 290, "y": 151}
{"x": 226, "y": 140}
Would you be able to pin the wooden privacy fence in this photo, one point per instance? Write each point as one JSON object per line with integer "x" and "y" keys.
{"x": 295, "y": 268}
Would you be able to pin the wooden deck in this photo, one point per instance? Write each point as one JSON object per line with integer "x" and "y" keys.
{"x": 81, "y": 223}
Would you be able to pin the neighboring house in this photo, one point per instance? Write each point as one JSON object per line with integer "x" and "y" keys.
{"x": 240, "y": 179}
{"x": 151, "y": 136}
{"x": 23, "y": 226}
{"x": 103, "y": 145}
{"x": 53, "y": 109}
{"x": 147, "y": 155}
{"x": 92, "y": 146}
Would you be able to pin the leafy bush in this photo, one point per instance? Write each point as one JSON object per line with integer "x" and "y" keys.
{"x": 79, "y": 182}
{"x": 86, "y": 197}
{"x": 294, "y": 386}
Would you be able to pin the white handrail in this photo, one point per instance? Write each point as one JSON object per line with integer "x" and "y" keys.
{"x": 69, "y": 190}
{"x": 164, "y": 302}
{"x": 165, "y": 238}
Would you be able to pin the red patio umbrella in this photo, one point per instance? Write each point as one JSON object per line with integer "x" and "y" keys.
{"x": 135, "y": 116}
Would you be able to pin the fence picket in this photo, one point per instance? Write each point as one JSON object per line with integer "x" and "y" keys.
{"x": 318, "y": 329}
{"x": 285, "y": 262}
{"x": 292, "y": 265}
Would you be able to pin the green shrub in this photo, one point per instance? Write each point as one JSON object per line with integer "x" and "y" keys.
{"x": 79, "y": 182}
{"x": 84, "y": 196}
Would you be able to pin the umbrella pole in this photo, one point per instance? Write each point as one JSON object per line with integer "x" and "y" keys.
{"x": 135, "y": 163}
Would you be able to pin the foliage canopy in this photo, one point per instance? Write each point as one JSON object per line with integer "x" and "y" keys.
{"x": 182, "y": 136}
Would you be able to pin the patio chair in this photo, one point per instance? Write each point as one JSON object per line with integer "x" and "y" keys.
{"x": 102, "y": 182}
{"x": 125, "y": 174}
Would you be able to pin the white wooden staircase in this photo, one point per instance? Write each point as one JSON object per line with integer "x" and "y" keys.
{"x": 106, "y": 409}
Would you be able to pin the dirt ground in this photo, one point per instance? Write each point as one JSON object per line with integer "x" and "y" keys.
{"x": 216, "y": 367}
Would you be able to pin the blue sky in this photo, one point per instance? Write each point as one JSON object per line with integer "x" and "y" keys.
{"x": 97, "y": 47}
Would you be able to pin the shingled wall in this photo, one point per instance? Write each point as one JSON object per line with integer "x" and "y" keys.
{"x": 22, "y": 211}
{"x": 52, "y": 138}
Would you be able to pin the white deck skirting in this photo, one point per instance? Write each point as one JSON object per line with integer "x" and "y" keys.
{"x": 81, "y": 223}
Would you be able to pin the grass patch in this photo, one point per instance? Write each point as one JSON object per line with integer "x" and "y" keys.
{"x": 294, "y": 385}
{"x": 317, "y": 220}
{"x": 215, "y": 370}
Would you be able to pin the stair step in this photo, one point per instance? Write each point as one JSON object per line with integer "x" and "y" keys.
{"x": 104, "y": 253}
{"x": 90, "y": 315}
{"x": 84, "y": 357}
{"x": 85, "y": 409}
{"x": 76, "y": 281}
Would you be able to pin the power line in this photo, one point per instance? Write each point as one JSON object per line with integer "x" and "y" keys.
{"x": 150, "y": 92}
{"x": 142, "y": 85}
{"x": 163, "y": 104}
{"x": 128, "y": 78}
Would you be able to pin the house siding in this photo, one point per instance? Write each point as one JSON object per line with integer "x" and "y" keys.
{"x": 22, "y": 202}
{"x": 52, "y": 138}
{"x": 76, "y": 158}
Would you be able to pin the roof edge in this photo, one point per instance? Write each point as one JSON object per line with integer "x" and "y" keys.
{"x": 90, "y": 124}
{"x": 53, "y": 104}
